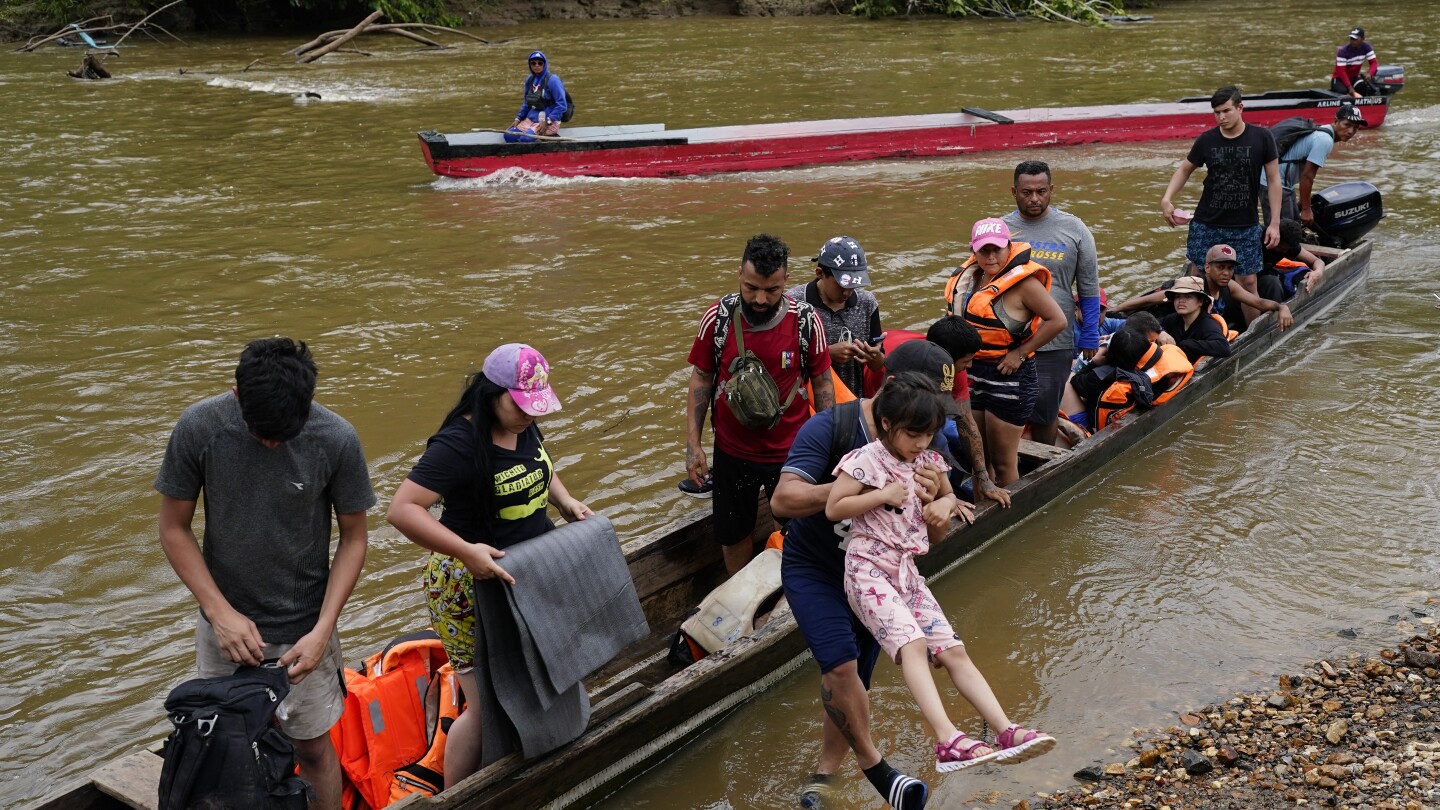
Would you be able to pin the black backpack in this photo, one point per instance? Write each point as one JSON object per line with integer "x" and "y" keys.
{"x": 225, "y": 750}
{"x": 1290, "y": 130}
{"x": 569, "y": 107}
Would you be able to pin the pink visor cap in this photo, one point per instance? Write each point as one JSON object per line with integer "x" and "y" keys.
{"x": 989, "y": 232}
{"x": 523, "y": 371}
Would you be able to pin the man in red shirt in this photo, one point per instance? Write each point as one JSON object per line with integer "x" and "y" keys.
{"x": 787, "y": 337}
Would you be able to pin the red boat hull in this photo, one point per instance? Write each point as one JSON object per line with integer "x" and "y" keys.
{"x": 775, "y": 146}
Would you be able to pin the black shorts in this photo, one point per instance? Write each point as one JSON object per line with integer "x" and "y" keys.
{"x": 1011, "y": 397}
{"x": 1052, "y": 371}
{"x": 736, "y": 499}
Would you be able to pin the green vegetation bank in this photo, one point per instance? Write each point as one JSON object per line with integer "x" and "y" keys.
{"x": 20, "y": 19}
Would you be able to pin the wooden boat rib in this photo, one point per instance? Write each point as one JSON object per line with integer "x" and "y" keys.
{"x": 649, "y": 150}
{"x": 645, "y": 708}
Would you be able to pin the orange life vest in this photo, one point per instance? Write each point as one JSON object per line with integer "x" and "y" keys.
{"x": 842, "y": 391}
{"x": 1168, "y": 369}
{"x": 979, "y": 308}
{"x": 1230, "y": 334}
{"x": 391, "y": 737}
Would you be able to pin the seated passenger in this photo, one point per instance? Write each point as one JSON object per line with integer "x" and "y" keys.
{"x": 1195, "y": 332}
{"x": 1124, "y": 351}
{"x": 1098, "y": 396}
{"x": 1143, "y": 322}
{"x": 543, "y": 103}
{"x": 1287, "y": 263}
{"x": 1225, "y": 294}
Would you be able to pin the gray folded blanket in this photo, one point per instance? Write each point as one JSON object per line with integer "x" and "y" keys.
{"x": 572, "y": 609}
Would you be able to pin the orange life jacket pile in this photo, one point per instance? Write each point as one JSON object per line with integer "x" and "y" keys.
{"x": 398, "y": 710}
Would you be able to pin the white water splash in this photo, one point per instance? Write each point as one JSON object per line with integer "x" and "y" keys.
{"x": 308, "y": 92}
{"x": 1406, "y": 116}
{"x": 513, "y": 178}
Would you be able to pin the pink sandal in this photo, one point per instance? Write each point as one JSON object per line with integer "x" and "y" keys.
{"x": 1031, "y": 745}
{"x": 957, "y": 755}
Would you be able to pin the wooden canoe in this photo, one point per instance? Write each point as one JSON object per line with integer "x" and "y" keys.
{"x": 646, "y": 708}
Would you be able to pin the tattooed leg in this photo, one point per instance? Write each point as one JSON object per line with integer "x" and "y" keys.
{"x": 847, "y": 718}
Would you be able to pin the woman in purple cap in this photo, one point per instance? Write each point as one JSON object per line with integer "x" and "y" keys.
{"x": 488, "y": 463}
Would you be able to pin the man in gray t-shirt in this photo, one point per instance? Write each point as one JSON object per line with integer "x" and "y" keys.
{"x": 273, "y": 466}
{"x": 1063, "y": 244}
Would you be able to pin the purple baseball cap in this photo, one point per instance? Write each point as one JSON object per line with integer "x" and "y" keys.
{"x": 990, "y": 231}
{"x": 523, "y": 371}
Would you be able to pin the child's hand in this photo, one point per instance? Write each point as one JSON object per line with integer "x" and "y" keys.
{"x": 894, "y": 493}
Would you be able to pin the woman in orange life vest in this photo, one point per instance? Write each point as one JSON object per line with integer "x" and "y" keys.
{"x": 1007, "y": 298}
{"x": 488, "y": 462}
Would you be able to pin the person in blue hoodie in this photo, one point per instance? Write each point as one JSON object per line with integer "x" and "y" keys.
{"x": 543, "y": 105}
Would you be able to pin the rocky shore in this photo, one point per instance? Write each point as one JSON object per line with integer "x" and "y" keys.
{"x": 1361, "y": 733}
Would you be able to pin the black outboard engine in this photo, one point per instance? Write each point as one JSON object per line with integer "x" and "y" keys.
{"x": 1389, "y": 79}
{"x": 1345, "y": 213}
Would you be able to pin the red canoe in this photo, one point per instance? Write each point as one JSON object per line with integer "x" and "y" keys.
{"x": 649, "y": 150}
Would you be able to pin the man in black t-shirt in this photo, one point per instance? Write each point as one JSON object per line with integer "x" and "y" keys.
{"x": 1233, "y": 155}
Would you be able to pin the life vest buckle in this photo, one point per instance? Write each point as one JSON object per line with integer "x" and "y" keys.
{"x": 205, "y": 725}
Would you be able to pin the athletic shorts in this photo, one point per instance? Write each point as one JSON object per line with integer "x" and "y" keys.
{"x": 736, "y": 499}
{"x": 816, "y": 595}
{"x": 449, "y": 595}
{"x": 1052, "y": 371}
{"x": 313, "y": 705}
{"x": 1246, "y": 242}
{"x": 1010, "y": 397}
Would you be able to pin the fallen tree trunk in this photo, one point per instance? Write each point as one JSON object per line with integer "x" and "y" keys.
{"x": 342, "y": 39}
{"x": 426, "y": 41}
{"x": 403, "y": 29}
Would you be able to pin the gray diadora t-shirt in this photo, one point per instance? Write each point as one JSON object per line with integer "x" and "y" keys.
{"x": 267, "y": 511}
{"x": 1063, "y": 244}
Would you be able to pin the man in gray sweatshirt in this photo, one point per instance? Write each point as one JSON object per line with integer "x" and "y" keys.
{"x": 1063, "y": 244}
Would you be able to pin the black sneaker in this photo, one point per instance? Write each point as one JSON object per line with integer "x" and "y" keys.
{"x": 703, "y": 491}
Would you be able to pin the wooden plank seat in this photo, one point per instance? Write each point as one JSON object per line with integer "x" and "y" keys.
{"x": 134, "y": 780}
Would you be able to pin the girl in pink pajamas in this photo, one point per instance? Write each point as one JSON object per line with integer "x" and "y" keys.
{"x": 891, "y": 523}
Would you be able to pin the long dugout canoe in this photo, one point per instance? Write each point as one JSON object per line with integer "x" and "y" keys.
{"x": 646, "y": 708}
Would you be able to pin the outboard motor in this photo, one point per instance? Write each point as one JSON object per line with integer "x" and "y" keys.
{"x": 1345, "y": 213}
{"x": 1390, "y": 79}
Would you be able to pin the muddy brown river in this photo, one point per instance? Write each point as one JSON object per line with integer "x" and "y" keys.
{"x": 152, "y": 225}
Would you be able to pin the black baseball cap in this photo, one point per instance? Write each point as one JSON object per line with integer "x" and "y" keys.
{"x": 925, "y": 357}
{"x": 1357, "y": 33}
{"x": 1349, "y": 112}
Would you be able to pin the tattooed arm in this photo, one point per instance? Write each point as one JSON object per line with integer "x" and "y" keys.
{"x": 970, "y": 437}
{"x": 697, "y": 404}
{"x": 824, "y": 390}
